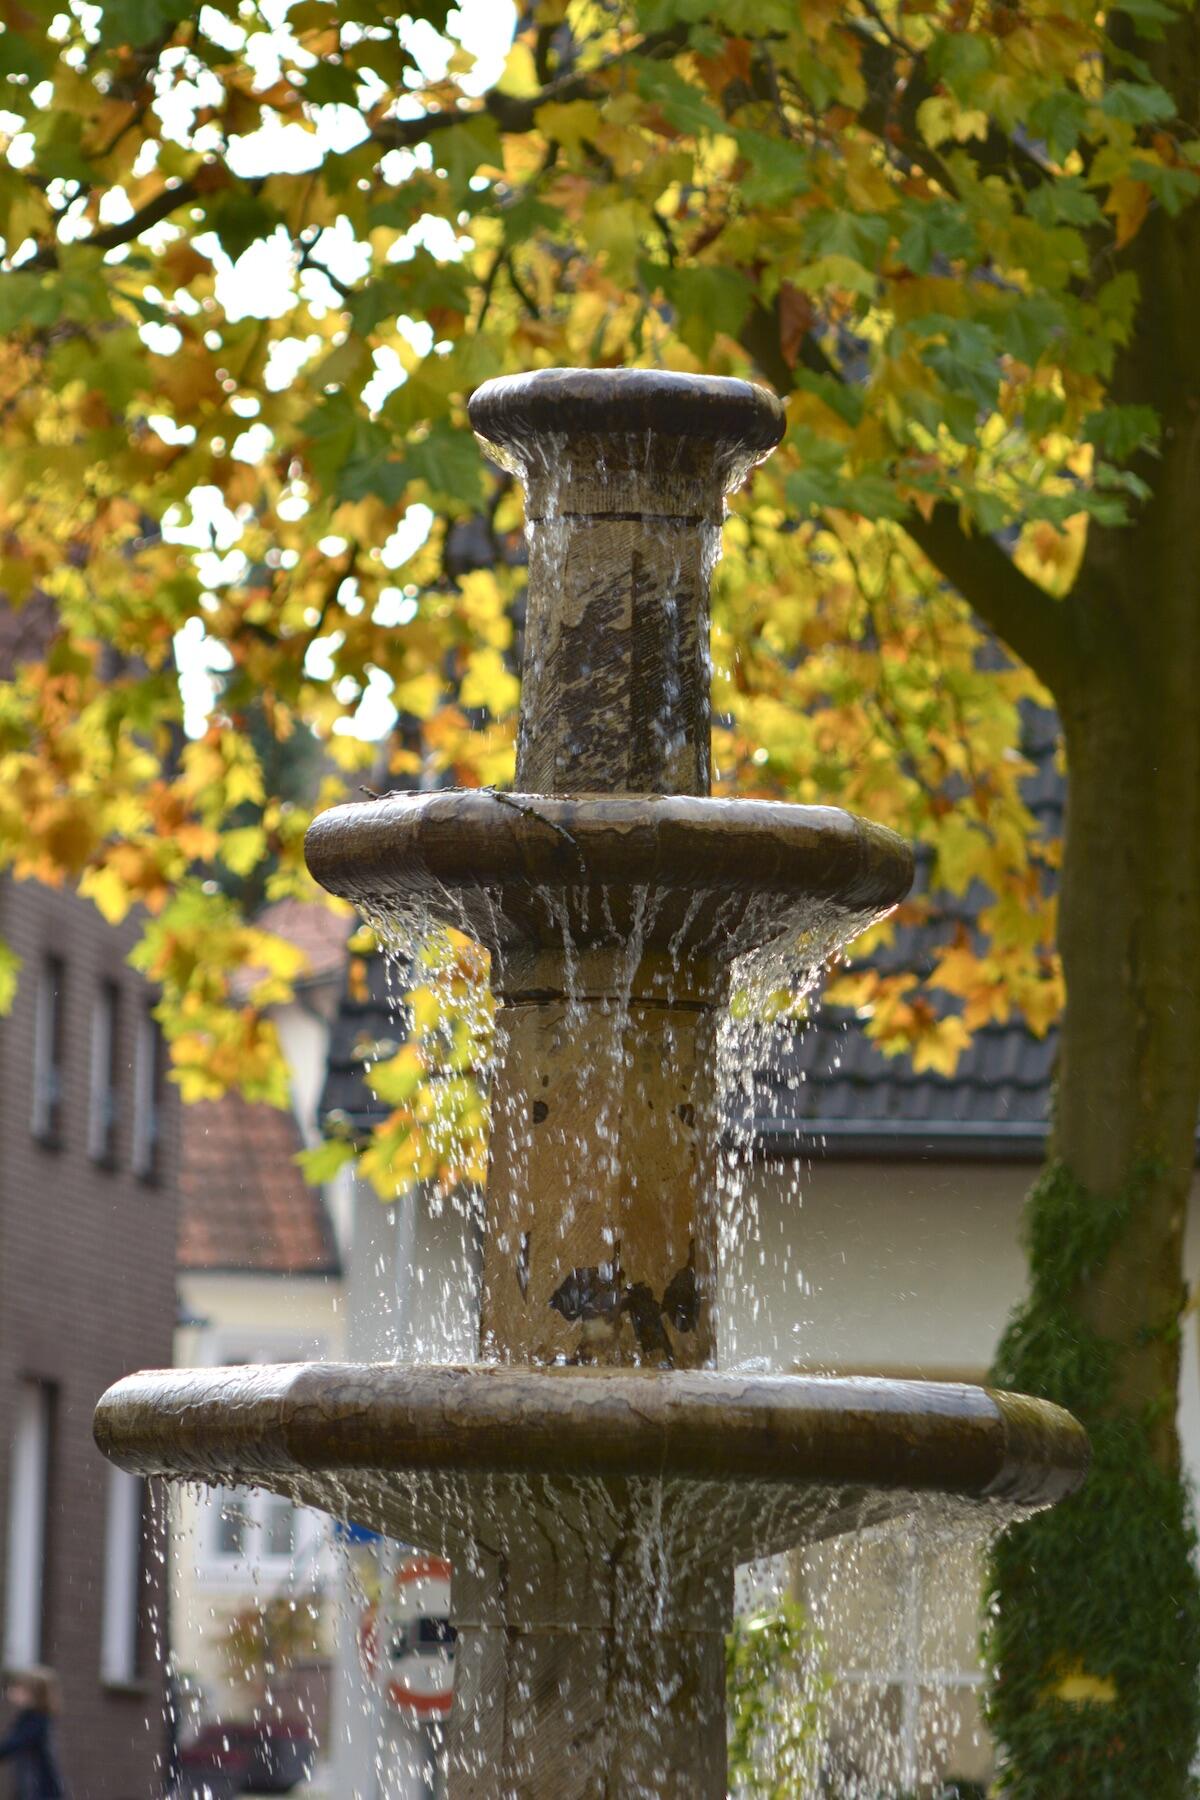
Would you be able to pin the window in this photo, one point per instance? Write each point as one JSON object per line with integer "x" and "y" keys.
{"x": 896, "y": 1607}
{"x": 278, "y": 1527}
{"x": 147, "y": 1097}
{"x": 102, "y": 1107}
{"x": 28, "y": 1496}
{"x": 119, "y": 1626}
{"x": 233, "y": 1524}
{"x": 246, "y": 1531}
{"x": 254, "y": 1527}
{"x": 47, "y": 1053}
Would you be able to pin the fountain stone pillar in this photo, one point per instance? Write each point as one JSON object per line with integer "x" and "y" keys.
{"x": 600, "y": 1244}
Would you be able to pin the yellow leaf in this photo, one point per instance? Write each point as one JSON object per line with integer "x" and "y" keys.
{"x": 10, "y": 964}
{"x": 418, "y": 695}
{"x": 397, "y": 1080}
{"x": 243, "y": 849}
{"x": 489, "y": 683}
{"x": 941, "y": 117}
{"x": 1128, "y": 202}
{"x": 940, "y": 1046}
{"x": 107, "y": 891}
{"x": 569, "y": 124}
{"x": 1081, "y": 1688}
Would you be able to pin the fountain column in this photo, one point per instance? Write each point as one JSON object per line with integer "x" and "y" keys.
{"x": 600, "y": 1246}
{"x": 601, "y": 1229}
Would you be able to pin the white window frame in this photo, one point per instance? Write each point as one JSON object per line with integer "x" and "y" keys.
{"x": 147, "y": 1099}
{"x": 28, "y": 1518}
{"x": 310, "y": 1534}
{"x": 102, "y": 1096}
{"x": 48, "y": 1035}
{"x": 120, "y": 1620}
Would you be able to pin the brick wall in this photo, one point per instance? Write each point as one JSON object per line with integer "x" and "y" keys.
{"x": 87, "y": 1293}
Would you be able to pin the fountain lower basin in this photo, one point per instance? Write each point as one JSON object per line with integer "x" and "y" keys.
{"x": 595, "y": 1519}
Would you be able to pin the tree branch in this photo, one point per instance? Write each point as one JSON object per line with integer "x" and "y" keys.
{"x": 111, "y": 237}
{"x": 514, "y": 114}
{"x": 1034, "y": 625}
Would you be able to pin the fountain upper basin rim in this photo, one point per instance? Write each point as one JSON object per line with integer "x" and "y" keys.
{"x": 732, "y": 423}
{"x": 515, "y": 847}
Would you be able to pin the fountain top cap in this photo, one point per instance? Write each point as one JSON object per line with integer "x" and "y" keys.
{"x": 731, "y": 424}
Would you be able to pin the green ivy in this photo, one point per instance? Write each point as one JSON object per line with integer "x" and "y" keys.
{"x": 1089, "y": 1696}
{"x": 774, "y": 1693}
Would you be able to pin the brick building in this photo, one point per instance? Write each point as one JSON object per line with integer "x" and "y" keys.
{"x": 88, "y": 1176}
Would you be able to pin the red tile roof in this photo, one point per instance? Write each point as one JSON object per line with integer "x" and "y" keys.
{"x": 243, "y": 1202}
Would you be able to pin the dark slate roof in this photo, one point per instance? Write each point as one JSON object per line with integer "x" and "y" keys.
{"x": 364, "y": 1025}
{"x": 838, "y": 1093}
{"x": 834, "y": 1093}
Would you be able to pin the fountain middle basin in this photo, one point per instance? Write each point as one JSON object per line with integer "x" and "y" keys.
{"x": 595, "y": 1477}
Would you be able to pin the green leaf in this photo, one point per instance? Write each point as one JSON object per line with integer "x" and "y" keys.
{"x": 346, "y": 450}
{"x": 331, "y": 83}
{"x": 1063, "y": 201}
{"x": 1172, "y": 188}
{"x": 778, "y": 170}
{"x": 1059, "y": 120}
{"x": 241, "y": 218}
{"x": 1137, "y": 102}
{"x": 463, "y": 149}
{"x": 821, "y": 481}
{"x": 1041, "y": 411}
{"x": 138, "y": 22}
{"x": 447, "y": 460}
{"x": 861, "y": 237}
{"x": 966, "y": 358}
{"x": 958, "y": 58}
{"x": 935, "y": 229}
{"x": 687, "y": 107}
{"x": 529, "y": 217}
{"x": 1120, "y": 431}
{"x": 415, "y": 287}
{"x": 404, "y": 205}
{"x": 1028, "y": 326}
{"x": 705, "y": 299}
{"x": 1148, "y": 17}
{"x": 841, "y": 397}
{"x": 324, "y": 1161}
{"x": 28, "y": 302}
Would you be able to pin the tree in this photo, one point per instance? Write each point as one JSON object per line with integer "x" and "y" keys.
{"x": 251, "y": 275}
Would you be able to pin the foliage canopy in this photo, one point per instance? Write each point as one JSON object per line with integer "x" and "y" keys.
{"x": 256, "y": 259}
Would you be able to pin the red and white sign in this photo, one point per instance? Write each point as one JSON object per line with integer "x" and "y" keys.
{"x": 412, "y": 1623}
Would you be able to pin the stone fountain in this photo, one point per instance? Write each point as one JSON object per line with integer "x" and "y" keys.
{"x": 594, "y": 1476}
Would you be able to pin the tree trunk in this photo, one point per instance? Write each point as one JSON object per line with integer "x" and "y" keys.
{"x": 1097, "y": 1636}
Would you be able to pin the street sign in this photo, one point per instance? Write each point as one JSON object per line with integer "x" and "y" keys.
{"x": 411, "y": 1621}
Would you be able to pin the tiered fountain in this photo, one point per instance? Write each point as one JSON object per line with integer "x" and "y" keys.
{"x": 594, "y": 1476}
